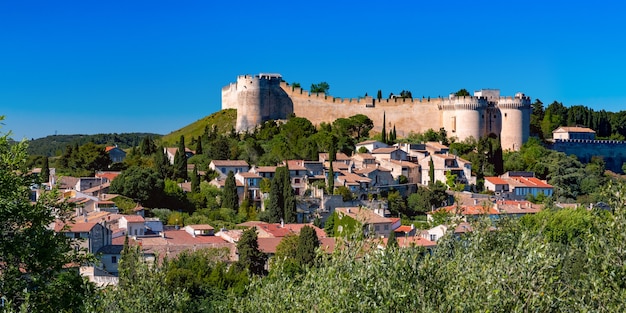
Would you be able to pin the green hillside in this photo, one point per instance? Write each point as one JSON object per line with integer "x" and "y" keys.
{"x": 55, "y": 144}
{"x": 224, "y": 120}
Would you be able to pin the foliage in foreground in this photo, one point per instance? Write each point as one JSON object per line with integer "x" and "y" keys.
{"x": 516, "y": 268}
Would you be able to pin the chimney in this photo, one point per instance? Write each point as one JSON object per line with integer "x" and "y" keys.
{"x": 475, "y": 201}
{"x": 495, "y": 206}
{"x": 282, "y": 223}
{"x": 412, "y": 226}
{"x": 519, "y": 206}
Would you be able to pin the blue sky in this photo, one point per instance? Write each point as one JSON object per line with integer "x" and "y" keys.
{"x": 85, "y": 67}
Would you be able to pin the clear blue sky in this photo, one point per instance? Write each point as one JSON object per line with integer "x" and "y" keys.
{"x": 85, "y": 67}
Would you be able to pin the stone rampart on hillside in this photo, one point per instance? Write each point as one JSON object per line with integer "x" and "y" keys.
{"x": 612, "y": 151}
{"x": 265, "y": 96}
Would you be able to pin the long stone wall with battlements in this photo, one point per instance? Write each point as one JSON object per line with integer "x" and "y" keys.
{"x": 265, "y": 96}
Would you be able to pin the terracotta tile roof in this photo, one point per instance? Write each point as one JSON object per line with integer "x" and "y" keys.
{"x": 363, "y": 215}
{"x": 248, "y": 175}
{"x": 574, "y": 129}
{"x": 74, "y": 227}
{"x": 266, "y": 169}
{"x": 251, "y": 223}
{"x": 276, "y": 230}
{"x": 201, "y": 227}
{"x": 404, "y": 229}
{"x": 496, "y": 180}
{"x": 134, "y": 218}
{"x": 436, "y": 145}
{"x": 385, "y": 150}
{"x": 405, "y": 163}
{"x": 296, "y": 165}
{"x": 230, "y": 163}
{"x": 268, "y": 245}
{"x": 363, "y": 156}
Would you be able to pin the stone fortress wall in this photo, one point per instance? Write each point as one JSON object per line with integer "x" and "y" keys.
{"x": 263, "y": 97}
{"x": 613, "y": 152}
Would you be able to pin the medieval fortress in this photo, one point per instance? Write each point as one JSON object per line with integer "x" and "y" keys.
{"x": 265, "y": 97}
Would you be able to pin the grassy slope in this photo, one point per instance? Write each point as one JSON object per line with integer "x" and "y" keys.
{"x": 224, "y": 120}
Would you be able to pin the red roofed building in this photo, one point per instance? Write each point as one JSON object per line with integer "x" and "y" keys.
{"x": 518, "y": 185}
{"x": 276, "y": 230}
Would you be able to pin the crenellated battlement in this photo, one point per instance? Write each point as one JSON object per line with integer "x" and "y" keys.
{"x": 266, "y": 96}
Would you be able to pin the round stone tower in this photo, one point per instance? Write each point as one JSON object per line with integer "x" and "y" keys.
{"x": 257, "y": 99}
{"x": 515, "y": 121}
{"x": 463, "y": 117}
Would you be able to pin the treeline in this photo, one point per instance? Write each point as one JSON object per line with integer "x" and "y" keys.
{"x": 608, "y": 125}
{"x": 55, "y": 145}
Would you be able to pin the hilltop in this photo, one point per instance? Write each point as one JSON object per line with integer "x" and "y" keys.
{"x": 224, "y": 120}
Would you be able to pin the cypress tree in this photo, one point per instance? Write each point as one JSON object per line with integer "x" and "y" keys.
{"x": 199, "y": 146}
{"x": 250, "y": 257}
{"x": 331, "y": 174}
{"x": 307, "y": 244}
{"x": 195, "y": 181}
{"x": 289, "y": 199}
{"x": 431, "y": 171}
{"x": 384, "y": 132}
{"x": 230, "y": 199}
{"x": 45, "y": 171}
{"x": 180, "y": 160}
{"x": 379, "y": 95}
{"x": 162, "y": 163}
{"x": 277, "y": 199}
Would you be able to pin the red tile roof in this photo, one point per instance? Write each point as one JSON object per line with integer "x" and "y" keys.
{"x": 134, "y": 218}
{"x": 496, "y": 180}
{"x": 404, "y": 229}
{"x": 413, "y": 241}
{"x": 469, "y": 209}
{"x": 73, "y": 227}
{"x": 276, "y": 230}
{"x": 574, "y": 129}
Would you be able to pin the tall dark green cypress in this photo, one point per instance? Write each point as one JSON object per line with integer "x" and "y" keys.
{"x": 307, "y": 244}
{"x": 162, "y": 163}
{"x": 45, "y": 170}
{"x": 277, "y": 200}
{"x": 379, "y": 95}
{"x": 230, "y": 199}
{"x": 289, "y": 199}
{"x": 180, "y": 160}
{"x": 384, "y": 132}
{"x": 431, "y": 171}
{"x": 195, "y": 181}
{"x": 250, "y": 257}
{"x": 331, "y": 174}
{"x": 199, "y": 146}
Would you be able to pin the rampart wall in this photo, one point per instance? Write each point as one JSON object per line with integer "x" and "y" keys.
{"x": 265, "y": 96}
{"x": 612, "y": 151}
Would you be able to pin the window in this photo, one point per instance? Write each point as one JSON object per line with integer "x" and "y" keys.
{"x": 113, "y": 259}
{"x": 386, "y": 227}
{"x": 296, "y": 181}
{"x": 433, "y": 237}
{"x": 377, "y": 228}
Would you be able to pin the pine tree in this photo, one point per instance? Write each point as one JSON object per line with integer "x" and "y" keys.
{"x": 230, "y": 199}
{"x": 45, "y": 170}
{"x": 307, "y": 244}
{"x": 392, "y": 242}
{"x": 250, "y": 257}
{"x": 195, "y": 181}
{"x": 180, "y": 160}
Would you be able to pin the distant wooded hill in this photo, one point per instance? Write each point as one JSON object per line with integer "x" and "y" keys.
{"x": 55, "y": 144}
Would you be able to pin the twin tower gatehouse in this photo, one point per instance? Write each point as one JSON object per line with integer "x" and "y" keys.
{"x": 264, "y": 97}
